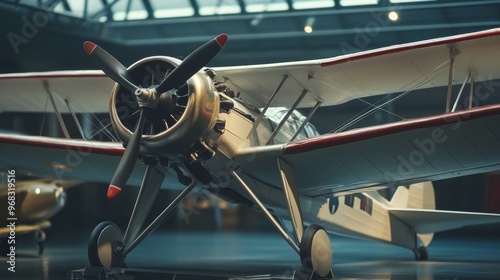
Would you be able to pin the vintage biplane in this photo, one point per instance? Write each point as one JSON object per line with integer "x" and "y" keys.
{"x": 236, "y": 131}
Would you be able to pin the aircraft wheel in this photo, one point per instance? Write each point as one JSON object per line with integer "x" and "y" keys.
{"x": 40, "y": 237}
{"x": 102, "y": 246}
{"x": 316, "y": 251}
{"x": 421, "y": 254}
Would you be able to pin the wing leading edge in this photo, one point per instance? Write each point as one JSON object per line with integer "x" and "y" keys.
{"x": 386, "y": 70}
{"x": 405, "y": 152}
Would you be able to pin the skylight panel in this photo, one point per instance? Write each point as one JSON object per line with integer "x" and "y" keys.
{"x": 258, "y": 6}
{"x": 358, "y": 2}
{"x": 218, "y": 7}
{"x": 312, "y": 4}
{"x": 170, "y": 9}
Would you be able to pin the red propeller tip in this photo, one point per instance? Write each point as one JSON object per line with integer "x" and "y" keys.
{"x": 221, "y": 40}
{"x": 113, "y": 191}
{"x": 89, "y": 47}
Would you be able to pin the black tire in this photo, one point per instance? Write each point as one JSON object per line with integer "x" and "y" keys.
{"x": 93, "y": 245}
{"x": 306, "y": 251}
{"x": 421, "y": 254}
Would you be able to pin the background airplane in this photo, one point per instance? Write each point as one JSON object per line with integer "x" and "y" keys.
{"x": 36, "y": 201}
{"x": 206, "y": 128}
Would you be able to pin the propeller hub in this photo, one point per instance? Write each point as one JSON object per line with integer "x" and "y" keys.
{"x": 147, "y": 97}
{"x": 165, "y": 105}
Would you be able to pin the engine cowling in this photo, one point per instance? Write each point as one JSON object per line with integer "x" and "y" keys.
{"x": 166, "y": 134}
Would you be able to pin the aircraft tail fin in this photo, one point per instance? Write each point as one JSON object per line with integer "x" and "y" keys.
{"x": 414, "y": 199}
{"x": 417, "y": 196}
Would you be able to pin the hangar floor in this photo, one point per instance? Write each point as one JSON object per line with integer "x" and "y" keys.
{"x": 257, "y": 255}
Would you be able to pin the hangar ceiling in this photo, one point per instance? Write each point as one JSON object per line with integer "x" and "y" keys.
{"x": 48, "y": 34}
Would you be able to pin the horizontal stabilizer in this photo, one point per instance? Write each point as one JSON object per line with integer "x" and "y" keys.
{"x": 429, "y": 221}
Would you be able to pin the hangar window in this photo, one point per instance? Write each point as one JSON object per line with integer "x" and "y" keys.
{"x": 409, "y": 1}
{"x": 258, "y": 6}
{"x": 170, "y": 9}
{"x": 314, "y": 4}
{"x": 218, "y": 7}
{"x": 358, "y": 2}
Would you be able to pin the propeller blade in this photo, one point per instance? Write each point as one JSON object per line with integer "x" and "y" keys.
{"x": 127, "y": 162}
{"x": 109, "y": 65}
{"x": 192, "y": 64}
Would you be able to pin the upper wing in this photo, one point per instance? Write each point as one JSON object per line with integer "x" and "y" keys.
{"x": 397, "y": 68}
{"x": 417, "y": 150}
{"x": 86, "y": 91}
{"x": 332, "y": 81}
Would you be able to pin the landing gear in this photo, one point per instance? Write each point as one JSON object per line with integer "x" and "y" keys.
{"x": 316, "y": 251}
{"x": 421, "y": 254}
{"x": 103, "y": 246}
{"x": 108, "y": 247}
{"x": 40, "y": 241}
{"x": 314, "y": 247}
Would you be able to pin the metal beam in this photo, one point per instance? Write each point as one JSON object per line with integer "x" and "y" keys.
{"x": 264, "y": 110}
{"x": 149, "y": 9}
{"x": 266, "y": 212}
{"x": 195, "y": 6}
{"x": 58, "y": 114}
{"x": 306, "y": 120}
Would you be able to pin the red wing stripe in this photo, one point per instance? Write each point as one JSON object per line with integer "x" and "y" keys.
{"x": 335, "y": 139}
{"x": 52, "y": 76}
{"x": 90, "y": 147}
{"x": 411, "y": 46}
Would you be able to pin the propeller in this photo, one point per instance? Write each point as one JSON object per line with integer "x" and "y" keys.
{"x": 148, "y": 98}
{"x": 109, "y": 65}
{"x": 192, "y": 63}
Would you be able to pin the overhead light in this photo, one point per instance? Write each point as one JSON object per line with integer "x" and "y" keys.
{"x": 308, "y": 28}
{"x": 393, "y": 16}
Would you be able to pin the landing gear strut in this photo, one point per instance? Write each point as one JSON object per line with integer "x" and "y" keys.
{"x": 314, "y": 247}
{"x": 40, "y": 241}
{"x": 108, "y": 247}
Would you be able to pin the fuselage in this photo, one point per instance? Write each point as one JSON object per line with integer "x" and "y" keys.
{"x": 357, "y": 215}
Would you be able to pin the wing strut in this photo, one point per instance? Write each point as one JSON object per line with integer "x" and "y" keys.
{"x": 461, "y": 90}
{"x": 471, "y": 94}
{"x": 453, "y": 53}
{"x": 304, "y": 123}
{"x": 75, "y": 119}
{"x": 58, "y": 114}
{"x": 261, "y": 115}
{"x": 285, "y": 118}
